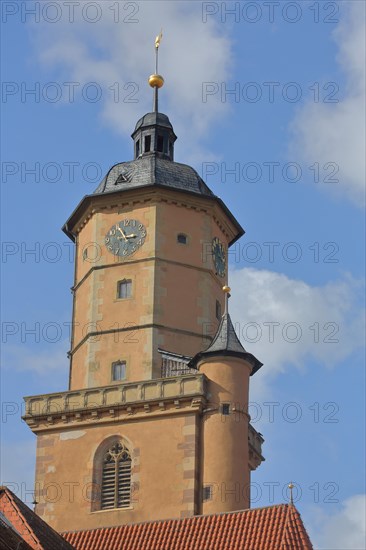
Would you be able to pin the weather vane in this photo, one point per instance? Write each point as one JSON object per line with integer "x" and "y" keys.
{"x": 157, "y": 44}
{"x": 156, "y": 81}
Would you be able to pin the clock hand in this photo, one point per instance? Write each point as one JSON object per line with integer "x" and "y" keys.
{"x": 131, "y": 236}
{"x": 123, "y": 233}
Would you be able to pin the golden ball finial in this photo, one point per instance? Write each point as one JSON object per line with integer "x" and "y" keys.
{"x": 226, "y": 289}
{"x": 156, "y": 81}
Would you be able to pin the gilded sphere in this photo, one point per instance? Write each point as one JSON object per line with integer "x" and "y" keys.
{"x": 226, "y": 289}
{"x": 156, "y": 81}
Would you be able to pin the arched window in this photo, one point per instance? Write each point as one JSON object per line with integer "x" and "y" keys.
{"x": 116, "y": 477}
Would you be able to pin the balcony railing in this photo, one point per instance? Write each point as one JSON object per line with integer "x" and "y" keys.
{"x": 173, "y": 364}
{"x": 114, "y": 395}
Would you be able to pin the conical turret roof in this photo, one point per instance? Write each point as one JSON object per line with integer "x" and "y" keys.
{"x": 227, "y": 343}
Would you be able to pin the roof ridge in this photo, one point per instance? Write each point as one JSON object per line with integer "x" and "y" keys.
{"x": 283, "y": 538}
{"x": 294, "y": 516}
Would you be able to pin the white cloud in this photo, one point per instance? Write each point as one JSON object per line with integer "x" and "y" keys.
{"x": 50, "y": 360}
{"x": 335, "y": 132}
{"x": 287, "y": 323}
{"x": 344, "y": 530}
{"x": 191, "y": 52}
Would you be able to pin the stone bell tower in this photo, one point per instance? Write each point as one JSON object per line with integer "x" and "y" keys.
{"x": 154, "y": 422}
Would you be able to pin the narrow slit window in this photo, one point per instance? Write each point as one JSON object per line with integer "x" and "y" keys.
{"x": 160, "y": 145}
{"x": 225, "y": 409}
{"x": 118, "y": 371}
{"x": 137, "y": 148}
{"x": 85, "y": 254}
{"x": 218, "y": 310}
{"x": 207, "y": 492}
{"x": 124, "y": 289}
{"x": 147, "y": 144}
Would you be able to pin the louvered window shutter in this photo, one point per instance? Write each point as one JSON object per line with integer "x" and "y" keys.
{"x": 116, "y": 478}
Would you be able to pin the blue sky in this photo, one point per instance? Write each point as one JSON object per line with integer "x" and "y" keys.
{"x": 284, "y": 149}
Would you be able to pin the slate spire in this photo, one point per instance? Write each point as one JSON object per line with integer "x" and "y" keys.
{"x": 226, "y": 342}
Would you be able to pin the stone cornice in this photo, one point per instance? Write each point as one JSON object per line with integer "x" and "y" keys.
{"x": 91, "y": 204}
{"x": 143, "y": 260}
{"x": 97, "y": 333}
{"x": 117, "y": 402}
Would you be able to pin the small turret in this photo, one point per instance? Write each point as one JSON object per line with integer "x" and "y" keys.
{"x": 225, "y": 449}
{"x": 154, "y": 133}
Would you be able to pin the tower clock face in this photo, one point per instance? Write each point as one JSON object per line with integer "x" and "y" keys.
{"x": 219, "y": 257}
{"x": 125, "y": 237}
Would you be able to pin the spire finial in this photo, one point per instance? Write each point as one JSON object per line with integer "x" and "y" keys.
{"x": 156, "y": 81}
{"x": 291, "y": 487}
{"x": 227, "y": 291}
{"x": 157, "y": 44}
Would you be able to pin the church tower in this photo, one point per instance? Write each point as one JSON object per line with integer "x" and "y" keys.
{"x": 155, "y": 421}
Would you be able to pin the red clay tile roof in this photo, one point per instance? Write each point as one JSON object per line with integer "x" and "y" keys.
{"x": 33, "y": 530}
{"x": 274, "y": 528}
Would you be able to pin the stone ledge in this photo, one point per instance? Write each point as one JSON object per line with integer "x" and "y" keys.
{"x": 116, "y": 401}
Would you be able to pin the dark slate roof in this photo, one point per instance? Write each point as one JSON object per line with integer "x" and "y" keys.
{"x": 9, "y": 538}
{"x": 226, "y": 338}
{"x": 152, "y": 170}
{"x": 226, "y": 343}
{"x": 153, "y": 119}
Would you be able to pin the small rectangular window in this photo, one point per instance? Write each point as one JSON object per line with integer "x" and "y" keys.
{"x": 118, "y": 370}
{"x": 218, "y": 310}
{"x": 137, "y": 148}
{"x": 147, "y": 143}
{"x": 181, "y": 238}
{"x": 207, "y": 492}
{"x": 225, "y": 409}
{"x": 124, "y": 289}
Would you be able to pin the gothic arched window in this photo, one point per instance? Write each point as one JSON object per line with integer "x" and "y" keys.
{"x": 116, "y": 477}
